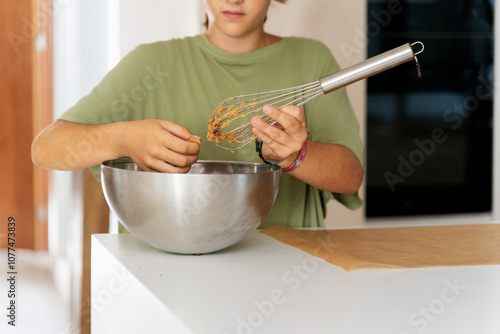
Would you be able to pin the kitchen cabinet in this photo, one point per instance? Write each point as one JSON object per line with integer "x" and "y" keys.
{"x": 263, "y": 286}
{"x": 26, "y": 104}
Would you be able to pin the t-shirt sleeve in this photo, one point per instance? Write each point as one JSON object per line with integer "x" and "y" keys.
{"x": 331, "y": 119}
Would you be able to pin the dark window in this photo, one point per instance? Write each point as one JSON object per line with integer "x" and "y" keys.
{"x": 429, "y": 139}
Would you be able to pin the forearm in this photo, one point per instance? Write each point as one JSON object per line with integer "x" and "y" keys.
{"x": 330, "y": 167}
{"x": 72, "y": 146}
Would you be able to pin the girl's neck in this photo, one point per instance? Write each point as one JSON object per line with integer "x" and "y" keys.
{"x": 241, "y": 44}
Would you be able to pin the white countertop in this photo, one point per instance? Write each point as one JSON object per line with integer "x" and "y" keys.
{"x": 263, "y": 286}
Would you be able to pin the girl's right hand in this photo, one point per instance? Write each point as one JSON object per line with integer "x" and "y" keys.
{"x": 158, "y": 145}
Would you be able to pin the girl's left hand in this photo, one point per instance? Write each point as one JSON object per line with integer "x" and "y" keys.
{"x": 283, "y": 140}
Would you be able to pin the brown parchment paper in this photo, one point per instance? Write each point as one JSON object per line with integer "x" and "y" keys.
{"x": 399, "y": 247}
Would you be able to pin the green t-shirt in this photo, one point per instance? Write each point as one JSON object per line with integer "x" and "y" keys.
{"x": 183, "y": 80}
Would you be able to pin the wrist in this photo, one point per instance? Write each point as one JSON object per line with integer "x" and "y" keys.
{"x": 116, "y": 135}
{"x": 298, "y": 161}
{"x": 289, "y": 161}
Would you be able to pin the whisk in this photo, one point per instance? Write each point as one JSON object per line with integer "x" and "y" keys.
{"x": 228, "y": 123}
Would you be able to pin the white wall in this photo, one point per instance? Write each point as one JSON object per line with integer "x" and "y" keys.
{"x": 149, "y": 21}
{"x": 65, "y": 197}
{"x": 85, "y": 48}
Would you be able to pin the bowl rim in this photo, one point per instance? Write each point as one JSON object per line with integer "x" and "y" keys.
{"x": 272, "y": 168}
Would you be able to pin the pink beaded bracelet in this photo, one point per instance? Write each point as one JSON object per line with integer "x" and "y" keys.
{"x": 298, "y": 161}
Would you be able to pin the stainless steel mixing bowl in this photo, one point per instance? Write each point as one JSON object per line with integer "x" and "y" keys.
{"x": 215, "y": 205}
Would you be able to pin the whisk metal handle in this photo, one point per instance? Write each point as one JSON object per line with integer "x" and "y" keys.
{"x": 369, "y": 67}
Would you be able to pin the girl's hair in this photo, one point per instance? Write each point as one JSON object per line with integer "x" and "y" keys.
{"x": 205, "y": 23}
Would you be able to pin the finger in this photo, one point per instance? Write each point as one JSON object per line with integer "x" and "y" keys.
{"x": 160, "y": 166}
{"x": 179, "y": 145}
{"x": 271, "y": 149}
{"x": 285, "y": 118}
{"x": 164, "y": 153}
{"x": 194, "y": 139}
{"x": 281, "y": 143}
{"x": 267, "y": 132}
{"x": 295, "y": 112}
{"x": 181, "y": 139}
{"x": 176, "y": 129}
